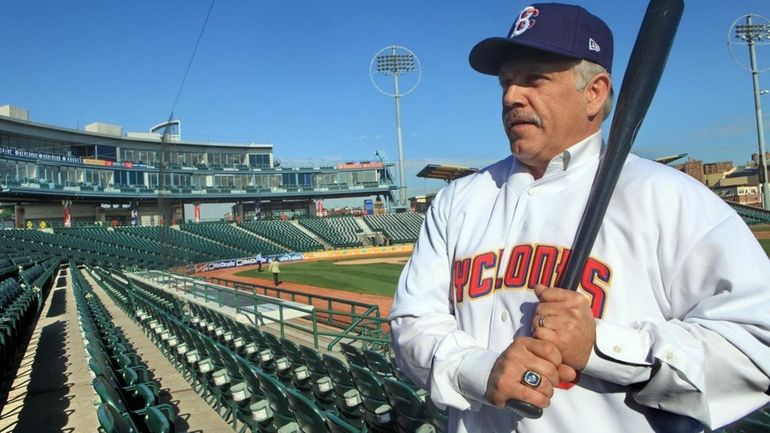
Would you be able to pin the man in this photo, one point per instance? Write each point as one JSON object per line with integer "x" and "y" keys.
{"x": 276, "y": 271}
{"x": 669, "y": 330}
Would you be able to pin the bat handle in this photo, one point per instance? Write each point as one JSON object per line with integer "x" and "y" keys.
{"x": 524, "y": 409}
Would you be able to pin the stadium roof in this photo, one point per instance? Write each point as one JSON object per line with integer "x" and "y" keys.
{"x": 671, "y": 158}
{"x": 445, "y": 172}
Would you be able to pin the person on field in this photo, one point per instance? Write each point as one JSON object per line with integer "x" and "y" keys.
{"x": 276, "y": 271}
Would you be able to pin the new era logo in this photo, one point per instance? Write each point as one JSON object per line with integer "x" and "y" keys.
{"x": 593, "y": 46}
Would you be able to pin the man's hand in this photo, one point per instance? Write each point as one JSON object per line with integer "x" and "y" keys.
{"x": 527, "y": 353}
{"x": 564, "y": 318}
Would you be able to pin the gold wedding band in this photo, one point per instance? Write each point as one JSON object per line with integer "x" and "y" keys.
{"x": 541, "y": 321}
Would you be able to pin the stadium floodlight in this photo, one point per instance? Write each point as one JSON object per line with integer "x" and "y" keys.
{"x": 396, "y": 61}
{"x": 752, "y": 34}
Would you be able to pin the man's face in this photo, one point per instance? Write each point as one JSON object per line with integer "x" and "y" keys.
{"x": 543, "y": 112}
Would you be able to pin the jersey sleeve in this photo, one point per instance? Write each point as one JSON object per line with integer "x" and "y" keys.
{"x": 428, "y": 345}
{"x": 711, "y": 361}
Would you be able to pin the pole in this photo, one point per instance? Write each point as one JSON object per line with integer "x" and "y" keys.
{"x": 765, "y": 186}
{"x": 402, "y": 178}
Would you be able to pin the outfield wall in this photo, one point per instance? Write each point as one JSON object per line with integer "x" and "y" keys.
{"x": 296, "y": 257}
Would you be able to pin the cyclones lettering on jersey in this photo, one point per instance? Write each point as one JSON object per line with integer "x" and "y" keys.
{"x": 528, "y": 265}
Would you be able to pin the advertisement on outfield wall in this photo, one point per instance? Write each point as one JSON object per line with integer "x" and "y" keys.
{"x": 247, "y": 261}
{"x": 296, "y": 257}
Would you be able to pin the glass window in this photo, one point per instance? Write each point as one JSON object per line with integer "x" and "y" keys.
{"x": 289, "y": 179}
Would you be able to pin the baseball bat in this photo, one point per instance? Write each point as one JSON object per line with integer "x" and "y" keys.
{"x": 645, "y": 67}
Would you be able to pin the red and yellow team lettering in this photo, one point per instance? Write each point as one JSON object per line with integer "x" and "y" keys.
{"x": 528, "y": 265}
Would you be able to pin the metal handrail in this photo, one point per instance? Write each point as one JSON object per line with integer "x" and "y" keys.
{"x": 360, "y": 323}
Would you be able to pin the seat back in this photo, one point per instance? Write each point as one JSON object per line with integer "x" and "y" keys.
{"x": 313, "y": 361}
{"x": 339, "y": 373}
{"x": 111, "y": 420}
{"x": 353, "y": 355}
{"x": 438, "y": 417}
{"x": 378, "y": 363}
{"x": 409, "y": 407}
{"x": 370, "y": 387}
{"x": 276, "y": 395}
{"x": 291, "y": 349}
{"x": 309, "y": 417}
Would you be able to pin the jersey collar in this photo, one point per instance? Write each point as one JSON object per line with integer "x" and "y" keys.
{"x": 580, "y": 152}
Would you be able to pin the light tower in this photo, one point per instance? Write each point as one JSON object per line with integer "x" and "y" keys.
{"x": 751, "y": 35}
{"x": 396, "y": 61}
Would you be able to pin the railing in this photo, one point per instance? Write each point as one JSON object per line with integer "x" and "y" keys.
{"x": 362, "y": 322}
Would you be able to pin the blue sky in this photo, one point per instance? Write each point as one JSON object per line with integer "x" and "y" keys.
{"x": 296, "y": 74}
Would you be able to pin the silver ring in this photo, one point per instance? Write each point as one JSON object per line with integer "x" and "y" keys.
{"x": 531, "y": 378}
{"x": 541, "y": 321}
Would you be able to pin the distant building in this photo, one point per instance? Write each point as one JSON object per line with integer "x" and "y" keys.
{"x": 421, "y": 203}
{"x": 717, "y": 167}
{"x": 694, "y": 168}
{"x": 747, "y": 195}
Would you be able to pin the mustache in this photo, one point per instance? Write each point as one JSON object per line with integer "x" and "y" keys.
{"x": 513, "y": 117}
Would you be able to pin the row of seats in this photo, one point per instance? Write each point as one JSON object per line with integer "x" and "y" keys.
{"x": 367, "y": 397}
{"x": 284, "y": 233}
{"x": 242, "y": 392}
{"x": 399, "y": 227}
{"x": 340, "y": 232}
{"x": 196, "y": 246}
{"x": 232, "y": 236}
{"x": 368, "y": 392}
{"x": 40, "y": 243}
{"x": 124, "y": 385}
{"x": 20, "y": 301}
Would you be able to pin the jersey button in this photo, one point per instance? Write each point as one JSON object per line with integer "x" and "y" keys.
{"x": 616, "y": 349}
{"x": 534, "y": 191}
{"x": 504, "y": 316}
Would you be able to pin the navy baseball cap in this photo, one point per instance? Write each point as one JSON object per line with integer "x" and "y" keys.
{"x": 567, "y": 30}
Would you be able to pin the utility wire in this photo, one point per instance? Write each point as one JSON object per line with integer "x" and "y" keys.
{"x": 192, "y": 57}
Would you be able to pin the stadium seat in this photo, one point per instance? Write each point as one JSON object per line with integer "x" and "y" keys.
{"x": 348, "y": 399}
{"x": 112, "y": 421}
{"x": 411, "y": 413}
{"x": 353, "y": 355}
{"x": 312, "y": 420}
{"x": 377, "y": 410}
{"x": 378, "y": 363}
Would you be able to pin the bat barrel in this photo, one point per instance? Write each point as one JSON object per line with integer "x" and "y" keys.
{"x": 645, "y": 68}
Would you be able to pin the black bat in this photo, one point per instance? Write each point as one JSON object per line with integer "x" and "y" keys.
{"x": 645, "y": 67}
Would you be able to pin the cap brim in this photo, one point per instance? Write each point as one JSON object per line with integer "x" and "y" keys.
{"x": 488, "y": 55}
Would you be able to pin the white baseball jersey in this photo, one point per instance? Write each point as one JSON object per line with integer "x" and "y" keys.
{"x": 679, "y": 286}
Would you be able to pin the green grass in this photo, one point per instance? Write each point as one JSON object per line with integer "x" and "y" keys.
{"x": 373, "y": 278}
{"x": 760, "y": 228}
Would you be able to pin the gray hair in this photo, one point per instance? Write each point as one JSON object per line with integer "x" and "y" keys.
{"x": 584, "y": 70}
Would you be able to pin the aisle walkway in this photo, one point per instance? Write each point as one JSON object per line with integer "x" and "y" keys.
{"x": 52, "y": 389}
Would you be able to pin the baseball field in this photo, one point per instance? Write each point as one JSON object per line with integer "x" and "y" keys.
{"x": 374, "y": 275}
{"x": 368, "y": 279}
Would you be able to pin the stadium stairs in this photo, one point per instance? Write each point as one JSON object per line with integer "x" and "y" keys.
{"x": 322, "y": 241}
{"x": 277, "y": 244}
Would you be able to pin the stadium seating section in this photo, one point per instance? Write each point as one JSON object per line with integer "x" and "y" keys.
{"x": 284, "y": 233}
{"x": 340, "y": 232}
{"x": 399, "y": 228}
{"x": 254, "y": 378}
{"x": 234, "y": 238}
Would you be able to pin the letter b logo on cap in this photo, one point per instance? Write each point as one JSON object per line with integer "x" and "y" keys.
{"x": 525, "y": 21}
